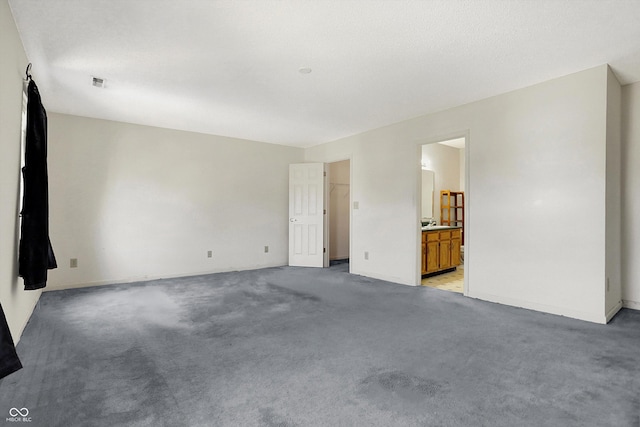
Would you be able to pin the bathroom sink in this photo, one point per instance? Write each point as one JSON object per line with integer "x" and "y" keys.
{"x": 435, "y": 227}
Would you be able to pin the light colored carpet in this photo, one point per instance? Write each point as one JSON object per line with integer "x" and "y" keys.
{"x": 315, "y": 347}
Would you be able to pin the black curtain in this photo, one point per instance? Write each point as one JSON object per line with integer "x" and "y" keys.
{"x": 36, "y": 254}
{"x": 9, "y": 361}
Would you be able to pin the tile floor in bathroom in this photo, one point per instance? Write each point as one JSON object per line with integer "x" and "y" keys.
{"x": 453, "y": 281}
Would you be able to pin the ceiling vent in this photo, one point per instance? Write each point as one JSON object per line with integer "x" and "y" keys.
{"x": 98, "y": 82}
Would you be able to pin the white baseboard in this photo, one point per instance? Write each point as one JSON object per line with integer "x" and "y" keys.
{"x": 544, "y": 308}
{"x": 386, "y": 278}
{"x": 61, "y": 287}
{"x": 613, "y": 311}
{"x": 634, "y": 305}
{"x": 33, "y": 306}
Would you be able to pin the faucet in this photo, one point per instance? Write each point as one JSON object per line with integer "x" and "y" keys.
{"x": 429, "y": 222}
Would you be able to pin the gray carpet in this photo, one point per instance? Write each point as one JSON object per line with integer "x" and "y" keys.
{"x": 304, "y": 347}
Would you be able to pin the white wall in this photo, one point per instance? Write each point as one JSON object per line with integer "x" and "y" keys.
{"x": 339, "y": 210}
{"x": 135, "y": 202}
{"x": 536, "y": 164}
{"x": 631, "y": 195}
{"x": 444, "y": 161}
{"x": 16, "y": 303}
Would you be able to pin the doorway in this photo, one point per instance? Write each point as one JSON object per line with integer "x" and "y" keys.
{"x": 338, "y": 198}
{"x": 442, "y": 214}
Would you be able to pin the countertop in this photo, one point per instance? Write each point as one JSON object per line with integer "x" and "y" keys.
{"x": 441, "y": 227}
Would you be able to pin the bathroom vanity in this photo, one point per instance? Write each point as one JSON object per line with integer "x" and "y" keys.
{"x": 440, "y": 249}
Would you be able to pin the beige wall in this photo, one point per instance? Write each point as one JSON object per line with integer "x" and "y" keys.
{"x": 535, "y": 164}
{"x": 631, "y": 195}
{"x": 16, "y": 303}
{"x": 134, "y": 202}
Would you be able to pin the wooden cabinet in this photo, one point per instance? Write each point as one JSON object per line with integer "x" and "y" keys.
{"x": 456, "y": 242}
{"x": 452, "y": 209}
{"x": 424, "y": 253}
{"x": 440, "y": 250}
{"x": 445, "y": 250}
{"x": 432, "y": 263}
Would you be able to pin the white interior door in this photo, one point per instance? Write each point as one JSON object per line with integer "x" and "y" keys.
{"x": 306, "y": 214}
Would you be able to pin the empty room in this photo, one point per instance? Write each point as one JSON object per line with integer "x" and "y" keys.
{"x": 245, "y": 213}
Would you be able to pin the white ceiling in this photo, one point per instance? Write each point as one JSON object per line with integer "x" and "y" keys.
{"x": 231, "y": 67}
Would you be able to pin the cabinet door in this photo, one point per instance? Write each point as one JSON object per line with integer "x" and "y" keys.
{"x": 424, "y": 258}
{"x": 455, "y": 252}
{"x": 433, "y": 256}
{"x": 445, "y": 254}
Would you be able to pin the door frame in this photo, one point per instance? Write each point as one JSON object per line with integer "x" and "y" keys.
{"x": 327, "y": 204}
{"x": 467, "y": 190}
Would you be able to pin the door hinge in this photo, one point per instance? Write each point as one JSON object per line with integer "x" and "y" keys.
{"x": 324, "y": 211}
{"x": 324, "y": 250}
{"x": 324, "y": 174}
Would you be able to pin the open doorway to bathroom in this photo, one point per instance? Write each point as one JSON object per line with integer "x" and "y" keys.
{"x": 338, "y": 212}
{"x": 443, "y": 214}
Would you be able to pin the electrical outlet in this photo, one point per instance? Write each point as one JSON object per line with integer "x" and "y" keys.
{"x": 366, "y": 255}
{"x": 209, "y": 254}
{"x": 73, "y": 263}
{"x": 266, "y": 249}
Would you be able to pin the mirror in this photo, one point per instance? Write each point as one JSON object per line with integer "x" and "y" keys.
{"x": 428, "y": 184}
